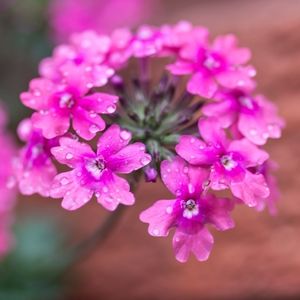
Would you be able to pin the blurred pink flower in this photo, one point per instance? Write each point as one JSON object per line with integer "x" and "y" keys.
{"x": 70, "y": 16}
{"x": 189, "y": 212}
{"x": 96, "y": 172}
{"x": 34, "y": 169}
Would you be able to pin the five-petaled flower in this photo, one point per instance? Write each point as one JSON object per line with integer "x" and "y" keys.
{"x": 189, "y": 212}
{"x": 95, "y": 173}
{"x": 228, "y": 161}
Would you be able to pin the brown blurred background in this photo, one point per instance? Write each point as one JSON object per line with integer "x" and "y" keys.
{"x": 260, "y": 258}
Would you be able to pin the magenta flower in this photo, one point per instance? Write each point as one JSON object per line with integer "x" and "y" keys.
{"x": 34, "y": 169}
{"x": 189, "y": 212}
{"x": 211, "y": 66}
{"x": 229, "y": 161}
{"x": 58, "y": 104}
{"x": 69, "y": 16}
{"x": 95, "y": 173}
{"x": 256, "y": 117}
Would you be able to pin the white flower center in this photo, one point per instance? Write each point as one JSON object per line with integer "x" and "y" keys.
{"x": 66, "y": 101}
{"x": 191, "y": 209}
{"x": 228, "y": 163}
{"x": 210, "y": 63}
{"x": 95, "y": 167}
{"x": 246, "y": 102}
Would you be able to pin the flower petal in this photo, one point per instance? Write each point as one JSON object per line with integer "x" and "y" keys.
{"x": 160, "y": 217}
{"x": 112, "y": 141}
{"x": 71, "y": 151}
{"x": 202, "y": 85}
{"x": 128, "y": 159}
{"x": 87, "y": 124}
{"x": 200, "y": 244}
{"x": 251, "y": 189}
{"x": 51, "y": 123}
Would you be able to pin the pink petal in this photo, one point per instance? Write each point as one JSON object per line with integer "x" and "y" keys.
{"x": 112, "y": 141}
{"x": 200, "y": 244}
{"x": 227, "y": 45}
{"x": 160, "y": 218}
{"x": 212, "y": 132}
{"x": 174, "y": 176}
{"x": 51, "y": 123}
{"x": 70, "y": 151}
{"x": 128, "y": 159}
{"x": 87, "y": 124}
{"x": 219, "y": 212}
{"x": 114, "y": 190}
{"x": 99, "y": 103}
{"x": 40, "y": 90}
{"x": 262, "y": 124}
{"x": 181, "y": 68}
{"x": 195, "y": 151}
{"x": 223, "y": 110}
{"x": 202, "y": 85}
{"x": 251, "y": 153}
{"x": 36, "y": 180}
{"x": 74, "y": 195}
{"x": 251, "y": 189}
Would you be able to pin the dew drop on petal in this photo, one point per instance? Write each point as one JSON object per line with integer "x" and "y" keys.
{"x": 110, "y": 109}
{"x": 253, "y": 132}
{"x": 125, "y": 135}
{"x": 169, "y": 210}
{"x": 11, "y": 182}
{"x": 145, "y": 160}
{"x": 185, "y": 170}
{"x": 105, "y": 189}
{"x": 155, "y": 231}
{"x": 69, "y": 155}
{"x": 192, "y": 140}
{"x": 93, "y": 128}
{"x": 265, "y": 135}
{"x": 64, "y": 181}
{"x": 93, "y": 114}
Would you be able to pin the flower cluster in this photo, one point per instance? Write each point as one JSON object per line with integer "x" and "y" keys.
{"x": 176, "y": 106}
{"x": 7, "y": 203}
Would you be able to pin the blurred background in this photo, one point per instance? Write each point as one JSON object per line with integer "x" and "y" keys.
{"x": 258, "y": 259}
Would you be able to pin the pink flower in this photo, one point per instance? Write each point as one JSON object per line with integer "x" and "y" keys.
{"x": 95, "y": 173}
{"x": 57, "y": 104}
{"x": 211, "y": 66}
{"x": 34, "y": 169}
{"x": 181, "y": 34}
{"x": 270, "y": 202}
{"x": 256, "y": 117}
{"x": 189, "y": 212}
{"x": 69, "y": 16}
{"x": 229, "y": 161}
{"x": 148, "y": 41}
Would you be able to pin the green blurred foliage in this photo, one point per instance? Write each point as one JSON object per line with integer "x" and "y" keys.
{"x": 24, "y": 42}
{"x": 33, "y": 270}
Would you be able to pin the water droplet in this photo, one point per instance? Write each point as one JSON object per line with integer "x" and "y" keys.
{"x": 64, "y": 181}
{"x": 97, "y": 194}
{"x": 69, "y": 155}
{"x": 169, "y": 210}
{"x": 125, "y": 135}
{"x": 93, "y": 114}
{"x": 253, "y": 132}
{"x": 185, "y": 170}
{"x": 105, "y": 189}
{"x": 191, "y": 188}
{"x": 10, "y": 182}
{"x": 145, "y": 160}
{"x": 93, "y": 128}
{"x": 155, "y": 231}
{"x": 78, "y": 174}
{"x": 192, "y": 140}
{"x": 110, "y": 109}
{"x": 265, "y": 135}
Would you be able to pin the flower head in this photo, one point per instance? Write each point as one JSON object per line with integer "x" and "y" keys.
{"x": 189, "y": 212}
